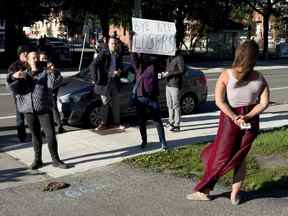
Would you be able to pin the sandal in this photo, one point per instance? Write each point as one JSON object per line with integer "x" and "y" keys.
{"x": 236, "y": 200}
{"x": 197, "y": 196}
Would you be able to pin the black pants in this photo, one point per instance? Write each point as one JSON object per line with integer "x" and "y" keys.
{"x": 56, "y": 114}
{"x": 143, "y": 105}
{"x": 35, "y": 123}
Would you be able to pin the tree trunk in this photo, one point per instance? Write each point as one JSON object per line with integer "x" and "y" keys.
{"x": 266, "y": 18}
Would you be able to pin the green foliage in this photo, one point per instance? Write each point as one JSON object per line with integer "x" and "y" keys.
{"x": 271, "y": 143}
{"x": 265, "y": 179}
{"x": 181, "y": 161}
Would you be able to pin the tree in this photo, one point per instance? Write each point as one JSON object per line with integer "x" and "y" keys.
{"x": 243, "y": 13}
{"x": 19, "y": 13}
{"x": 266, "y": 8}
{"x": 109, "y": 11}
{"x": 281, "y": 22}
{"x": 206, "y": 14}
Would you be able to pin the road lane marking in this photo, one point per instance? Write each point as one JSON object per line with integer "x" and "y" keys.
{"x": 279, "y": 88}
{"x": 8, "y": 117}
{"x": 5, "y": 94}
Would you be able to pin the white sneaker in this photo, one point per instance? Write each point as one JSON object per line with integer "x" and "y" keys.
{"x": 170, "y": 126}
{"x": 121, "y": 127}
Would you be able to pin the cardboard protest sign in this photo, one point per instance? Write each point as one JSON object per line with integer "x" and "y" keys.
{"x": 153, "y": 37}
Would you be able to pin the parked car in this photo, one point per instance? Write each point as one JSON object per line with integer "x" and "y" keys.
{"x": 81, "y": 106}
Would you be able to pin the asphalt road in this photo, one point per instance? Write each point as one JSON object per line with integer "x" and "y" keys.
{"x": 277, "y": 79}
{"x": 117, "y": 190}
{"x": 121, "y": 191}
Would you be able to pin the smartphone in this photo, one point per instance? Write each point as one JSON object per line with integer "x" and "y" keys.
{"x": 245, "y": 126}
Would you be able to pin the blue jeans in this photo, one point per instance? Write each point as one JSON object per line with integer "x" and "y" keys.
{"x": 20, "y": 125}
{"x": 150, "y": 104}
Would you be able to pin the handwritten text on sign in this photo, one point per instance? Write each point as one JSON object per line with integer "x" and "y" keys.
{"x": 153, "y": 37}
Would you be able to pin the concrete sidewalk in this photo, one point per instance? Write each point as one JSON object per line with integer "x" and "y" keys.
{"x": 88, "y": 150}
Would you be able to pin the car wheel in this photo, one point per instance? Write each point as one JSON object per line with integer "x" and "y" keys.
{"x": 188, "y": 103}
{"x": 94, "y": 116}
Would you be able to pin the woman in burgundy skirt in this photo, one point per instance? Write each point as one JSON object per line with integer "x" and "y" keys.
{"x": 241, "y": 93}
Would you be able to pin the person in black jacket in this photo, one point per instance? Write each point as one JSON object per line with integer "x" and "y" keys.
{"x": 45, "y": 64}
{"x": 19, "y": 65}
{"x": 173, "y": 74}
{"x": 33, "y": 89}
{"x": 105, "y": 70}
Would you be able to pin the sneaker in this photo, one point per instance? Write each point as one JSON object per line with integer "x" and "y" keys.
{"x": 176, "y": 129}
{"x": 236, "y": 200}
{"x": 170, "y": 127}
{"x": 101, "y": 126}
{"x": 36, "y": 165}
{"x": 61, "y": 165}
{"x": 121, "y": 127}
{"x": 197, "y": 196}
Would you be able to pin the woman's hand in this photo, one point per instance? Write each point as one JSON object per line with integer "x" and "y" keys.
{"x": 239, "y": 120}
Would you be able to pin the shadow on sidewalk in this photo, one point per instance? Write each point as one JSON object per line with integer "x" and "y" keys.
{"x": 136, "y": 150}
{"x": 10, "y": 143}
{"x": 12, "y": 175}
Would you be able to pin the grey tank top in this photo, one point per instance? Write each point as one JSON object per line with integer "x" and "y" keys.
{"x": 245, "y": 94}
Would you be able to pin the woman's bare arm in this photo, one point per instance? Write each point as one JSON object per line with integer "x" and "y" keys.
{"x": 220, "y": 92}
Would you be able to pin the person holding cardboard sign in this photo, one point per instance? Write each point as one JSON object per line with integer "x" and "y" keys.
{"x": 147, "y": 90}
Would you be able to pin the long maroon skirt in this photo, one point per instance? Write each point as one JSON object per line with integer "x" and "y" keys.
{"x": 229, "y": 149}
